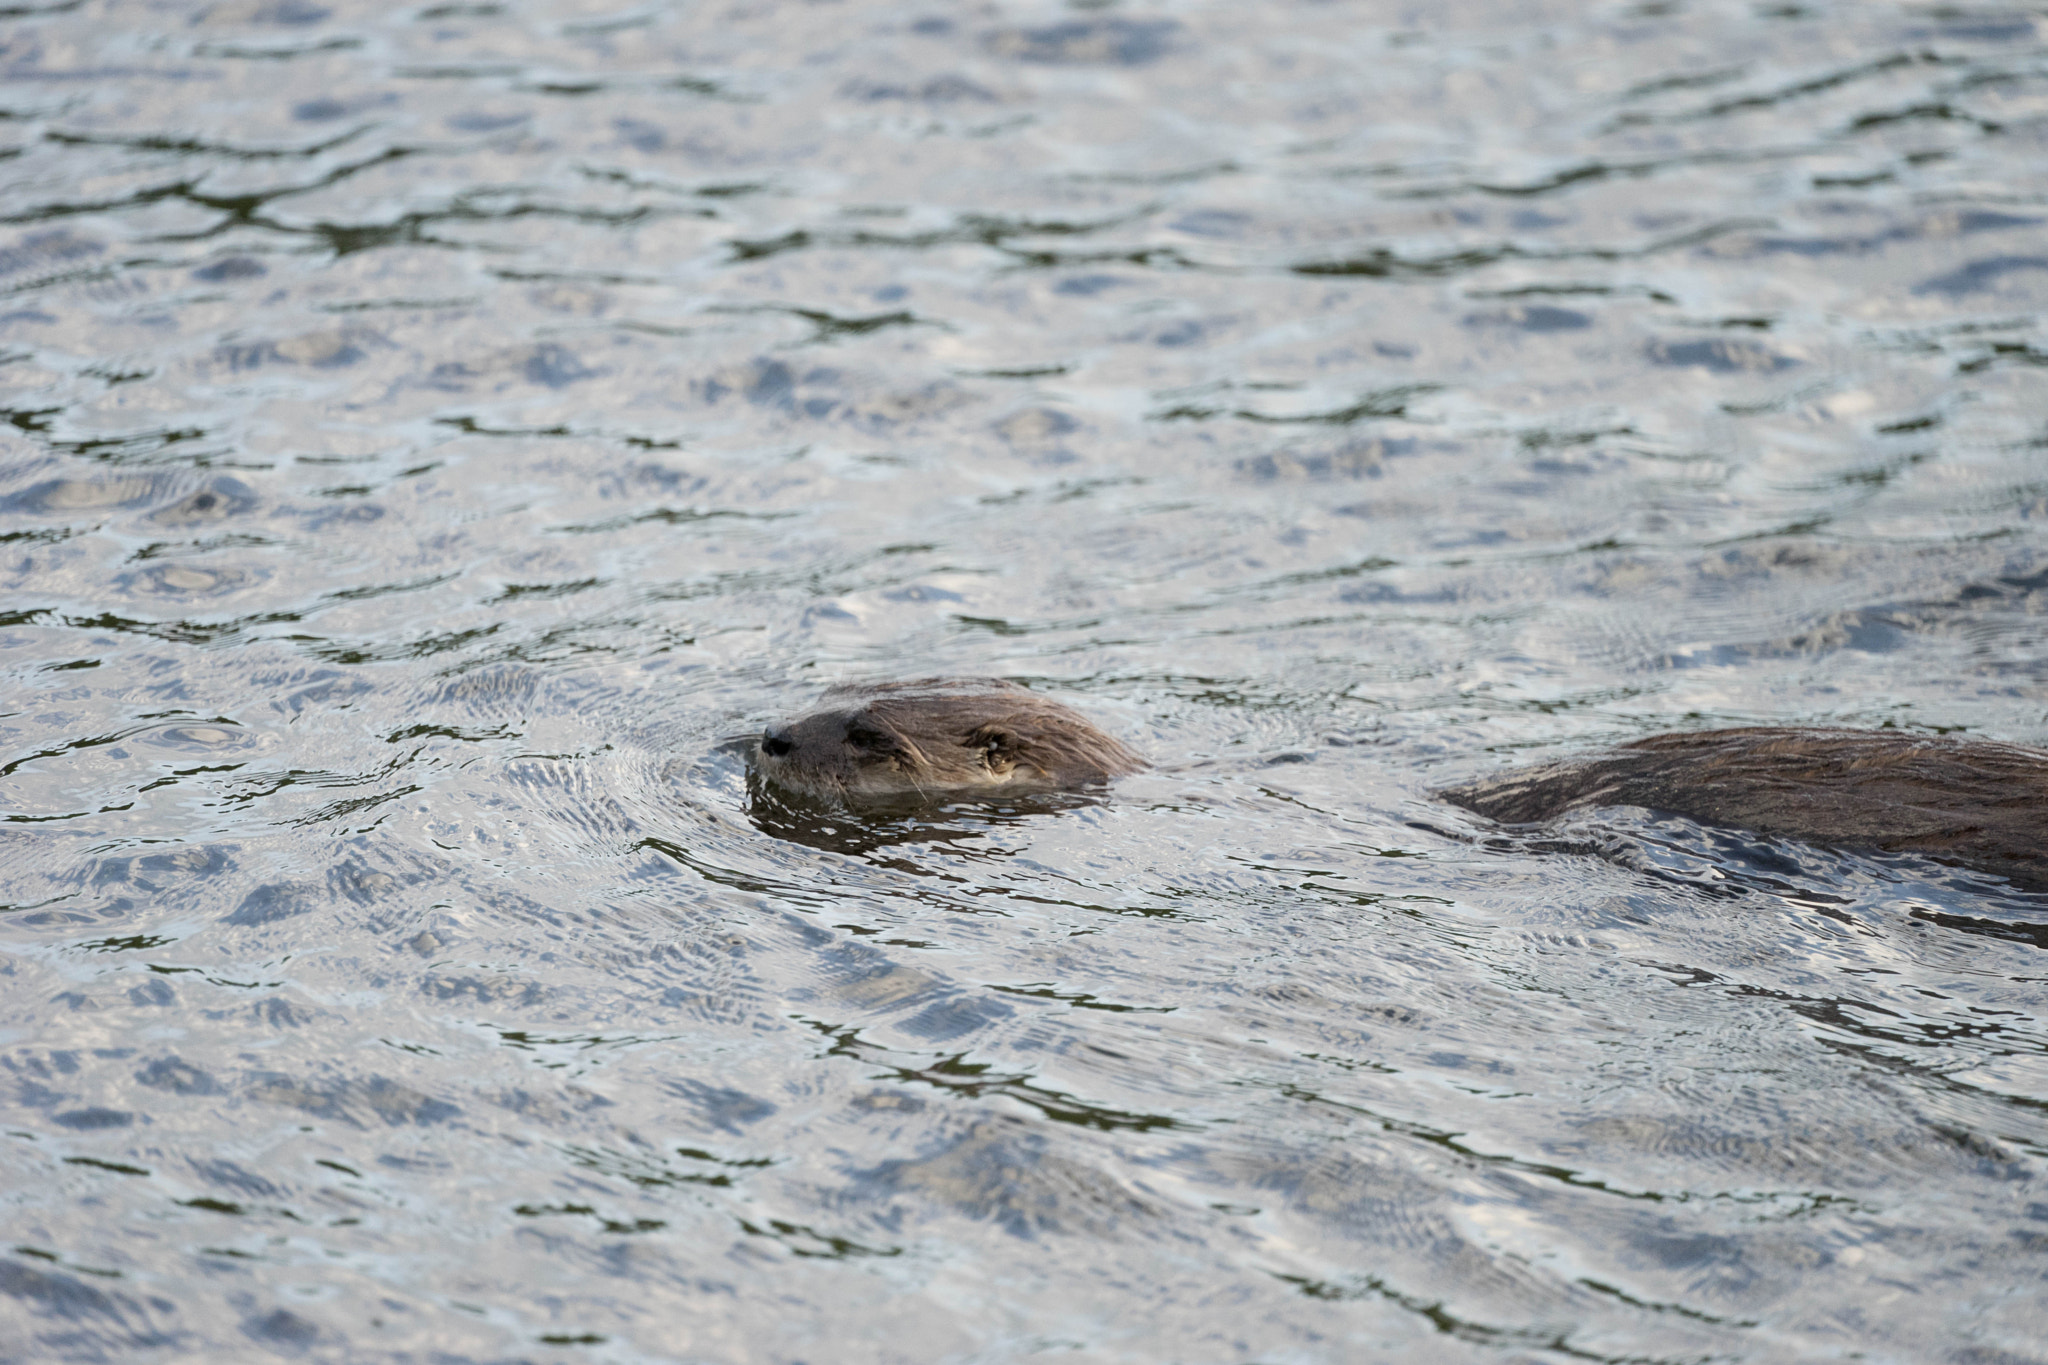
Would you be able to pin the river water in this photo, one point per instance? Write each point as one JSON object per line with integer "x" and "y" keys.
{"x": 434, "y": 433}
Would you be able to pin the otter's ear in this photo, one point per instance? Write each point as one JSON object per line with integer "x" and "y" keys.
{"x": 998, "y": 748}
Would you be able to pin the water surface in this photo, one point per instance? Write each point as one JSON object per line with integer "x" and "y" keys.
{"x": 432, "y": 433}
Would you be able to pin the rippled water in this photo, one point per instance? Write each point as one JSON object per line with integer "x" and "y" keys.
{"x": 432, "y": 433}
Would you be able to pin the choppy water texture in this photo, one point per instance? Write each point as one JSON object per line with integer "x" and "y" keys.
{"x": 431, "y": 432}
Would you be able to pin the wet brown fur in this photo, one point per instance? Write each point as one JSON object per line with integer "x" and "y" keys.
{"x": 1976, "y": 803}
{"x": 928, "y": 738}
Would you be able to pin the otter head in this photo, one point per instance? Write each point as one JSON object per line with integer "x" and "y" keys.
{"x": 936, "y": 737}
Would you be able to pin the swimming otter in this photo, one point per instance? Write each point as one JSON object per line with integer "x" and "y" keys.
{"x": 1976, "y": 803}
{"x": 929, "y": 738}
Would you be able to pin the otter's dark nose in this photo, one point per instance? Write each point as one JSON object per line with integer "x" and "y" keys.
{"x": 775, "y": 743}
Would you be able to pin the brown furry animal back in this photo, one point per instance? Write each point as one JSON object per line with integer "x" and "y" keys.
{"x": 1974, "y": 802}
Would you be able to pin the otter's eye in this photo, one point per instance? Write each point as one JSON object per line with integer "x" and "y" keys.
{"x": 998, "y": 747}
{"x": 871, "y": 741}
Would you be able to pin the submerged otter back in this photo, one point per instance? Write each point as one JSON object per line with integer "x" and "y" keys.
{"x": 1974, "y": 802}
